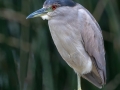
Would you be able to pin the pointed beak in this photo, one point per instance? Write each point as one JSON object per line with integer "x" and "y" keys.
{"x": 38, "y": 13}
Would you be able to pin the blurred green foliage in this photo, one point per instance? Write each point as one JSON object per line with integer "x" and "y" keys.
{"x": 29, "y": 59}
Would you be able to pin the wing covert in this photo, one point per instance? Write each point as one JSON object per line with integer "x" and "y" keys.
{"x": 93, "y": 41}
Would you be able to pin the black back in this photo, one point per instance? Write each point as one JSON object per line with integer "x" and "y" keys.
{"x": 60, "y": 2}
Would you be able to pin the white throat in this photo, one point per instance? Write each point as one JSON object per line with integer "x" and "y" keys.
{"x": 45, "y": 17}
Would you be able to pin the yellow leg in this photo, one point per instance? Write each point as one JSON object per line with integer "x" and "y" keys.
{"x": 79, "y": 82}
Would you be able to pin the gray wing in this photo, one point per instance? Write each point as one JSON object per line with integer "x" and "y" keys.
{"x": 93, "y": 43}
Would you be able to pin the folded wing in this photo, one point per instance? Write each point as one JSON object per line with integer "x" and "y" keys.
{"x": 93, "y": 44}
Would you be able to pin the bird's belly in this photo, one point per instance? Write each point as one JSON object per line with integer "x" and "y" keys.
{"x": 76, "y": 59}
{"x": 72, "y": 51}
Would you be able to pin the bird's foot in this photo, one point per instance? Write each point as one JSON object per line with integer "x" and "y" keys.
{"x": 79, "y": 89}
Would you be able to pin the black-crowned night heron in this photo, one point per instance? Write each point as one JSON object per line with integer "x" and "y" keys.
{"x": 77, "y": 37}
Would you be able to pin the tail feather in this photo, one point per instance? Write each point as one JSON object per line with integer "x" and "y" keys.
{"x": 94, "y": 79}
{"x": 97, "y": 76}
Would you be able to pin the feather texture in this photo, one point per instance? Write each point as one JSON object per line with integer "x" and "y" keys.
{"x": 78, "y": 38}
{"x": 93, "y": 43}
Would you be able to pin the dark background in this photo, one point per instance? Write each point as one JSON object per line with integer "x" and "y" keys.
{"x": 29, "y": 59}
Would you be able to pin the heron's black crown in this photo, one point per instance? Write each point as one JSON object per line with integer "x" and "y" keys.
{"x": 60, "y": 2}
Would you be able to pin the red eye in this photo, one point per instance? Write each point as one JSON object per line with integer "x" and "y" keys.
{"x": 54, "y": 7}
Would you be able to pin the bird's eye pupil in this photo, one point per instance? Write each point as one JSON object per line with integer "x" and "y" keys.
{"x": 54, "y": 7}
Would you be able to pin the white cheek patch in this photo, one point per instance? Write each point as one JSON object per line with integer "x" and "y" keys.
{"x": 45, "y": 17}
